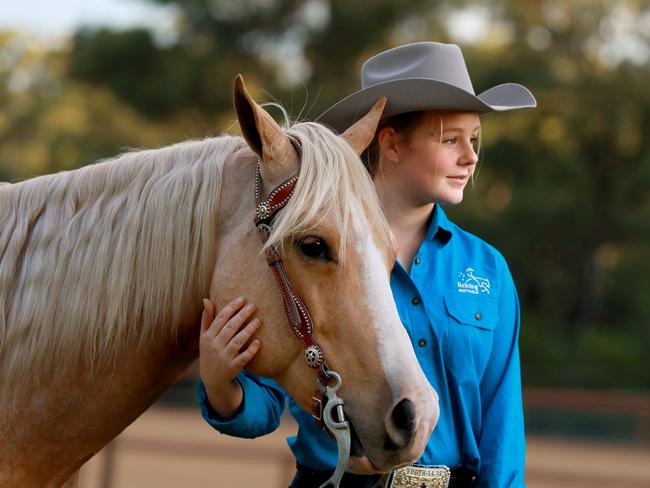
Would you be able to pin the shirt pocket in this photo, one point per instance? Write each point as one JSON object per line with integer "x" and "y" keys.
{"x": 472, "y": 319}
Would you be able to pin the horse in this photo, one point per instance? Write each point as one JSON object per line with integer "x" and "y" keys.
{"x": 103, "y": 270}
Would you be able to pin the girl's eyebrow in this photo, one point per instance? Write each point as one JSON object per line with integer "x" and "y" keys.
{"x": 460, "y": 129}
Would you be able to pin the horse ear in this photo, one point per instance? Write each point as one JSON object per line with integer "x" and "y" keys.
{"x": 264, "y": 136}
{"x": 359, "y": 135}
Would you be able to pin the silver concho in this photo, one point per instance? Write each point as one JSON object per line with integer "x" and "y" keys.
{"x": 313, "y": 356}
{"x": 262, "y": 210}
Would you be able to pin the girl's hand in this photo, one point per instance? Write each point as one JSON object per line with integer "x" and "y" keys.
{"x": 222, "y": 352}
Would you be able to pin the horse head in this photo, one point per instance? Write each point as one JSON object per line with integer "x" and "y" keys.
{"x": 338, "y": 253}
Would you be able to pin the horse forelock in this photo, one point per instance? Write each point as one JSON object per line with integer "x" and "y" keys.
{"x": 87, "y": 265}
{"x": 332, "y": 181}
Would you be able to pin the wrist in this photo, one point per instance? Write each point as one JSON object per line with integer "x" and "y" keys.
{"x": 225, "y": 398}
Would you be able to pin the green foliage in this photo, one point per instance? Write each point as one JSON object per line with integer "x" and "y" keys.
{"x": 562, "y": 190}
{"x": 575, "y": 226}
{"x": 152, "y": 80}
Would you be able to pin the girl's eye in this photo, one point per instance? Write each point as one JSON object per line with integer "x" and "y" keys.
{"x": 474, "y": 142}
{"x": 449, "y": 141}
{"x": 315, "y": 248}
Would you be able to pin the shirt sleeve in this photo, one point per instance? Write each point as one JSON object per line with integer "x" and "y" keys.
{"x": 502, "y": 444}
{"x": 259, "y": 413}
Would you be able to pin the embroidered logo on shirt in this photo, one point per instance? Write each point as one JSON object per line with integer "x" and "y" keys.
{"x": 470, "y": 283}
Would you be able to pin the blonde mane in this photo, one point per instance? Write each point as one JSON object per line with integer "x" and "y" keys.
{"x": 84, "y": 252}
{"x": 85, "y": 255}
{"x": 331, "y": 174}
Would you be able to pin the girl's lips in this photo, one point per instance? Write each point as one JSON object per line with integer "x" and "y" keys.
{"x": 458, "y": 180}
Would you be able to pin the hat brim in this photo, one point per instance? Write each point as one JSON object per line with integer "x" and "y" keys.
{"x": 414, "y": 94}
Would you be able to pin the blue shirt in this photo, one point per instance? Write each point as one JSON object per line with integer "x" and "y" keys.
{"x": 460, "y": 308}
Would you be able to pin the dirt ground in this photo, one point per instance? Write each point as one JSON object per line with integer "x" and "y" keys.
{"x": 172, "y": 448}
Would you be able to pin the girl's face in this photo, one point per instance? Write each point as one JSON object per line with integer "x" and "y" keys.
{"x": 436, "y": 160}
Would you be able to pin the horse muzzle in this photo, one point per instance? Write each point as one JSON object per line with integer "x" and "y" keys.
{"x": 401, "y": 439}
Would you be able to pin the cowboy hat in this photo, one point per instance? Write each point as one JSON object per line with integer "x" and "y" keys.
{"x": 422, "y": 76}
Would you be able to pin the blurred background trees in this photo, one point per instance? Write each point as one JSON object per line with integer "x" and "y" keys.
{"x": 562, "y": 191}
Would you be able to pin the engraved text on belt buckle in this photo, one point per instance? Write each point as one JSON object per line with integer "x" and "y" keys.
{"x": 421, "y": 477}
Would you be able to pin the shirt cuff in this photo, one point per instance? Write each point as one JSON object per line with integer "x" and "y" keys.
{"x": 210, "y": 414}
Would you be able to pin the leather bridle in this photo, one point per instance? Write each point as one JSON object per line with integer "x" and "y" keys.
{"x": 297, "y": 312}
{"x": 327, "y": 407}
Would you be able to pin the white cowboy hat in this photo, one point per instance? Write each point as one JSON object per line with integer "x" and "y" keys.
{"x": 422, "y": 76}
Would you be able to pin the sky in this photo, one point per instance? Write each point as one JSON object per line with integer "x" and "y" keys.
{"x": 51, "y": 19}
{"x": 57, "y": 18}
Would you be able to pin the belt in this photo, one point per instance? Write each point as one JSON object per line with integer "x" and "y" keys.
{"x": 408, "y": 477}
{"x": 431, "y": 477}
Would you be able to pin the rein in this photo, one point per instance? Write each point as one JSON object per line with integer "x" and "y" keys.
{"x": 327, "y": 407}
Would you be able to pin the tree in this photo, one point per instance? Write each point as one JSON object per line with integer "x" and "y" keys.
{"x": 562, "y": 190}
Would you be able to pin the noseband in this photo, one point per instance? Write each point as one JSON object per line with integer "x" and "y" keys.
{"x": 327, "y": 407}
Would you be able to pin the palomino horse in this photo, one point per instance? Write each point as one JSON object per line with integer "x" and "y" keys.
{"x": 102, "y": 271}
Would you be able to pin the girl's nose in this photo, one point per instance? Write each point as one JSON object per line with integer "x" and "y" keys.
{"x": 469, "y": 156}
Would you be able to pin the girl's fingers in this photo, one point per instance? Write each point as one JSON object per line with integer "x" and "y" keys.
{"x": 232, "y": 326}
{"x": 248, "y": 354}
{"x": 239, "y": 340}
{"x": 208, "y": 314}
{"x": 224, "y": 315}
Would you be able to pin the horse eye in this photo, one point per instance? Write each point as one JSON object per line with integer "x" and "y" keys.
{"x": 315, "y": 248}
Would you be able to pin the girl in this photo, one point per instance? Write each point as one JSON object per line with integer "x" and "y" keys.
{"x": 454, "y": 292}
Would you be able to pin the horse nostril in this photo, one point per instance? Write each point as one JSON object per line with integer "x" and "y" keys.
{"x": 404, "y": 413}
{"x": 403, "y": 420}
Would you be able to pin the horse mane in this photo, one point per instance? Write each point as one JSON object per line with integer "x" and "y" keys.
{"x": 75, "y": 246}
{"x": 331, "y": 174}
{"x": 87, "y": 266}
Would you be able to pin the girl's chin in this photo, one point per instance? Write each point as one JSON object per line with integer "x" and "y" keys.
{"x": 448, "y": 199}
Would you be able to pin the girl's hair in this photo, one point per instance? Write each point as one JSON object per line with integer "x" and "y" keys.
{"x": 403, "y": 124}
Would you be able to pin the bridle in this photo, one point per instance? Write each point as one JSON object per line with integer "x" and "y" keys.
{"x": 325, "y": 403}
{"x": 297, "y": 313}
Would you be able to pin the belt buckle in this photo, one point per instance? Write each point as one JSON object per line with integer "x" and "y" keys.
{"x": 421, "y": 477}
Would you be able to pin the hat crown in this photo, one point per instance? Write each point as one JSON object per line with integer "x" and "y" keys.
{"x": 426, "y": 60}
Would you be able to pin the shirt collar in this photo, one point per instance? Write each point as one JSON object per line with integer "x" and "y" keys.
{"x": 439, "y": 226}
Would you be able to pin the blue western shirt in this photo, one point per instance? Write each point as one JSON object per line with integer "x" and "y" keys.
{"x": 460, "y": 308}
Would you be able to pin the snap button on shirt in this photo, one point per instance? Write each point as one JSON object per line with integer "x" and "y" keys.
{"x": 415, "y": 301}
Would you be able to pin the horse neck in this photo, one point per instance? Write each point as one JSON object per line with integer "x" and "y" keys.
{"x": 101, "y": 393}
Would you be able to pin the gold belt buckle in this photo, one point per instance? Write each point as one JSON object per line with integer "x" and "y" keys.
{"x": 421, "y": 477}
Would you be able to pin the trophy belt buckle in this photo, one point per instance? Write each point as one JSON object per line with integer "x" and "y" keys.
{"x": 421, "y": 477}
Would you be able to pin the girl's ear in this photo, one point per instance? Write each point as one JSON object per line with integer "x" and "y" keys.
{"x": 387, "y": 142}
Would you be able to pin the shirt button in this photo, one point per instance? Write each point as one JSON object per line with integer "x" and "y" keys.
{"x": 417, "y": 260}
{"x": 477, "y": 315}
{"x": 415, "y": 301}
{"x": 422, "y": 343}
